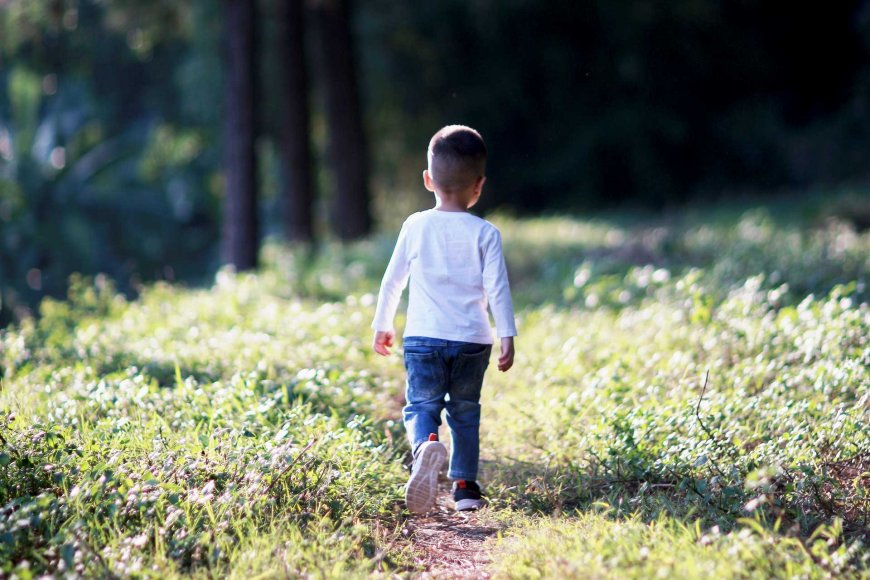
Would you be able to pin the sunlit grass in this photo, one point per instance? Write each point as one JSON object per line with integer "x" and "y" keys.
{"x": 247, "y": 429}
{"x": 593, "y": 544}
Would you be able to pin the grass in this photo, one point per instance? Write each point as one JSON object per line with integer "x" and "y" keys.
{"x": 690, "y": 398}
{"x": 594, "y": 545}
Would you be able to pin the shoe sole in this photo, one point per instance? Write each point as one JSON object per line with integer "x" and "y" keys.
{"x": 422, "y": 487}
{"x": 465, "y": 505}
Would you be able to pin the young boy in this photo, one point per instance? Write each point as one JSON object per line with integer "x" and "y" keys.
{"x": 455, "y": 264}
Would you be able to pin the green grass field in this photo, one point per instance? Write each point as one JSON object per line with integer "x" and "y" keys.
{"x": 690, "y": 399}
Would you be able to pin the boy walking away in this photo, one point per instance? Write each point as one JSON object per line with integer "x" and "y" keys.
{"x": 456, "y": 268}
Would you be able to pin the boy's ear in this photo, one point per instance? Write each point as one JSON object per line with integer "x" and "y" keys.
{"x": 427, "y": 181}
{"x": 478, "y": 187}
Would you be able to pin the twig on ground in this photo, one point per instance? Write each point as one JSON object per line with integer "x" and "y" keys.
{"x": 705, "y": 428}
{"x": 289, "y": 466}
{"x": 162, "y": 438}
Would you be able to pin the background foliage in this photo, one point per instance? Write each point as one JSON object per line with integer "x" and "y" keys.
{"x": 110, "y": 113}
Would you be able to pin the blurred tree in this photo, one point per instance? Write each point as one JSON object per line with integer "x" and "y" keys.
{"x": 347, "y": 153}
{"x": 294, "y": 140}
{"x": 95, "y": 173}
{"x": 240, "y": 224}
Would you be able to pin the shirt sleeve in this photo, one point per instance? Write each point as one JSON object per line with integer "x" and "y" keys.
{"x": 497, "y": 287}
{"x": 394, "y": 282}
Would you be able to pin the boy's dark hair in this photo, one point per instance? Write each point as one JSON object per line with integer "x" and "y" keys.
{"x": 457, "y": 158}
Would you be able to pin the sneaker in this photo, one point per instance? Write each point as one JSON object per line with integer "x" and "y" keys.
{"x": 466, "y": 495}
{"x": 422, "y": 486}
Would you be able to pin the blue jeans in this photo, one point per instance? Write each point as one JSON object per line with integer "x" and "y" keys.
{"x": 446, "y": 374}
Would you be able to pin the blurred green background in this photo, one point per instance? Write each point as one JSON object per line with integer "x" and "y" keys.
{"x": 112, "y": 132}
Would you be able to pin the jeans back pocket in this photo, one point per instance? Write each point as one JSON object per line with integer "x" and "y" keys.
{"x": 425, "y": 374}
{"x": 467, "y": 373}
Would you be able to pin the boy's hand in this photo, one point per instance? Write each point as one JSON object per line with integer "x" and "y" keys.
{"x": 383, "y": 340}
{"x": 506, "y": 360}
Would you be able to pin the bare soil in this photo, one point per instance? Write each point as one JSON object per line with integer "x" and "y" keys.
{"x": 450, "y": 544}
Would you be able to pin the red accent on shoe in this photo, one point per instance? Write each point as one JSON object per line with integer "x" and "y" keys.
{"x": 460, "y": 483}
{"x": 433, "y": 437}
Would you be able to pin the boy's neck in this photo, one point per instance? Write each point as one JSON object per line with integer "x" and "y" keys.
{"x": 450, "y": 207}
{"x": 455, "y": 203}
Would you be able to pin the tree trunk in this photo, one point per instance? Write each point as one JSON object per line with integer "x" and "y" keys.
{"x": 294, "y": 144}
{"x": 240, "y": 224}
{"x": 346, "y": 146}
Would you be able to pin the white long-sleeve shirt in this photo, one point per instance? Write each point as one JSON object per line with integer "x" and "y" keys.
{"x": 457, "y": 269}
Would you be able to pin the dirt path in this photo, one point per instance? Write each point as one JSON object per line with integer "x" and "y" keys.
{"x": 450, "y": 543}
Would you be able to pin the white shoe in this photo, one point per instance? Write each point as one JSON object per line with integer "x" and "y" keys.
{"x": 422, "y": 487}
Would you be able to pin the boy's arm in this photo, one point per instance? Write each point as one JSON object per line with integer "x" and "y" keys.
{"x": 394, "y": 282}
{"x": 498, "y": 292}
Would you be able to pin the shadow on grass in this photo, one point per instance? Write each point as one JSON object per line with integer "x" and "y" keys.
{"x": 794, "y": 502}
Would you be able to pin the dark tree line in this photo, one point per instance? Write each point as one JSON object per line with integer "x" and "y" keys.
{"x": 346, "y": 144}
{"x": 594, "y": 103}
{"x": 129, "y": 146}
{"x": 138, "y": 139}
